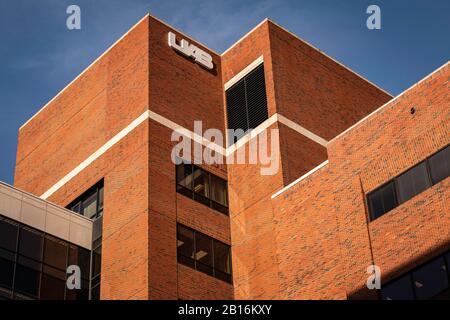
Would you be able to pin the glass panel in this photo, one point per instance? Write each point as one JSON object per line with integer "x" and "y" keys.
{"x": 440, "y": 165}
{"x": 53, "y": 284}
{"x": 400, "y": 289}
{"x": 219, "y": 190}
{"x": 8, "y": 235}
{"x": 79, "y": 294}
{"x": 203, "y": 254}
{"x": 185, "y": 242}
{"x": 90, "y": 206}
{"x": 95, "y": 293}
{"x": 100, "y": 198}
{"x": 413, "y": 182}
{"x": 27, "y": 276}
{"x": 97, "y": 261}
{"x": 76, "y": 208}
{"x": 7, "y": 261}
{"x": 431, "y": 279}
{"x": 222, "y": 257}
{"x": 201, "y": 182}
{"x": 5, "y": 294}
{"x": 31, "y": 244}
{"x": 184, "y": 175}
{"x": 55, "y": 252}
{"x": 382, "y": 200}
{"x": 82, "y": 258}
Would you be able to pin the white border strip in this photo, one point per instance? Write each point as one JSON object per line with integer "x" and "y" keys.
{"x": 299, "y": 179}
{"x": 183, "y": 131}
{"x": 85, "y": 70}
{"x": 250, "y": 135}
{"x": 303, "y": 131}
{"x": 243, "y": 72}
{"x": 96, "y": 154}
{"x": 388, "y": 103}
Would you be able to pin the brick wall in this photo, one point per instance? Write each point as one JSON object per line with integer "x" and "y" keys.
{"x": 324, "y": 241}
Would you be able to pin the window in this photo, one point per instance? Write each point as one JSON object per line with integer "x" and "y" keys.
{"x": 185, "y": 244}
{"x": 90, "y": 203}
{"x": 409, "y": 184}
{"x": 96, "y": 270}
{"x": 33, "y": 264}
{"x": 82, "y": 258}
{"x": 247, "y": 103}
{"x": 413, "y": 182}
{"x": 440, "y": 165}
{"x": 27, "y": 277}
{"x": 222, "y": 261}
{"x": 53, "y": 284}
{"x": 8, "y": 235}
{"x": 202, "y": 186}
{"x": 7, "y": 261}
{"x": 203, "y": 253}
{"x": 428, "y": 281}
{"x": 382, "y": 200}
{"x": 31, "y": 243}
{"x": 55, "y": 252}
{"x": 400, "y": 289}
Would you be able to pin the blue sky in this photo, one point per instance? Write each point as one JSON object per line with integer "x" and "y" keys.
{"x": 39, "y": 56}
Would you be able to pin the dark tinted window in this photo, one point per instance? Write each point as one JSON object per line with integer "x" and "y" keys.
{"x": 82, "y": 258}
{"x": 36, "y": 268}
{"x": 185, "y": 243}
{"x": 90, "y": 204}
{"x": 222, "y": 261}
{"x": 7, "y": 261}
{"x": 219, "y": 193}
{"x": 55, "y": 252}
{"x": 31, "y": 243}
{"x": 430, "y": 279}
{"x": 79, "y": 294}
{"x": 413, "y": 182}
{"x": 184, "y": 175}
{"x": 28, "y": 274}
{"x": 8, "y": 235}
{"x": 53, "y": 284}
{"x": 400, "y": 289}
{"x": 202, "y": 186}
{"x": 382, "y": 200}
{"x": 96, "y": 261}
{"x": 203, "y": 253}
{"x": 247, "y": 103}
{"x": 440, "y": 165}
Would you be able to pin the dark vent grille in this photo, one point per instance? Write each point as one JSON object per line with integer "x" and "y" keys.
{"x": 247, "y": 103}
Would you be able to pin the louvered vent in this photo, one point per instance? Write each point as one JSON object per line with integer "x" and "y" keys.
{"x": 247, "y": 103}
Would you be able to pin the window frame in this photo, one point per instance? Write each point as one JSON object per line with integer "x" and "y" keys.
{"x": 190, "y": 193}
{"x": 41, "y": 267}
{"x": 78, "y": 202}
{"x": 409, "y": 273}
{"x": 396, "y": 186}
{"x": 213, "y": 262}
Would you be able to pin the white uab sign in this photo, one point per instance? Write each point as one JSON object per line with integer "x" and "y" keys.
{"x": 191, "y": 51}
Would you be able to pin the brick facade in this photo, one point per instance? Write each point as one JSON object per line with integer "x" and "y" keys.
{"x": 78, "y": 139}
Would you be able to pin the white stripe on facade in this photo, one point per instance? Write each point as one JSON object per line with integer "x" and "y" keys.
{"x": 276, "y": 194}
{"x": 186, "y": 132}
{"x": 243, "y": 72}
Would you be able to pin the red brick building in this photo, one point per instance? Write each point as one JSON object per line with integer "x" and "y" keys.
{"x": 224, "y": 231}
